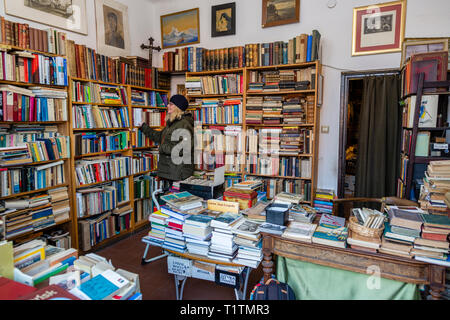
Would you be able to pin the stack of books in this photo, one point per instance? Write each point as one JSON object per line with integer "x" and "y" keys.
{"x": 254, "y": 110}
{"x": 222, "y": 246}
{"x": 174, "y": 238}
{"x": 272, "y": 107}
{"x": 193, "y": 85}
{"x": 197, "y": 232}
{"x": 433, "y": 242}
{"x": 436, "y": 184}
{"x": 272, "y": 228}
{"x": 271, "y": 81}
{"x": 323, "y": 200}
{"x": 294, "y": 111}
{"x": 287, "y": 79}
{"x": 245, "y": 198}
{"x": 302, "y": 213}
{"x": 249, "y": 242}
{"x": 255, "y": 86}
{"x": 404, "y": 226}
{"x": 288, "y": 198}
{"x": 290, "y": 141}
{"x": 269, "y": 140}
{"x": 331, "y": 231}
{"x": 300, "y": 231}
{"x": 59, "y": 199}
{"x": 157, "y": 233}
{"x": 16, "y": 155}
{"x": 257, "y": 212}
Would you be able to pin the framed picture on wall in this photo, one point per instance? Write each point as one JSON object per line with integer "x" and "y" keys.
{"x": 413, "y": 46}
{"x": 378, "y": 28}
{"x": 113, "y": 35}
{"x": 180, "y": 28}
{"x": 279, "y": 12}
{"x": 65, "y": 14}
{"x": 223, "y": 20}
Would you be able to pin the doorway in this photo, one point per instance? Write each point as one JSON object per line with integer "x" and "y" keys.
{"x": 352, "y": 89}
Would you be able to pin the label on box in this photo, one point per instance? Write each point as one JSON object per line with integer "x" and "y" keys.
{"x": 179, "y": 266}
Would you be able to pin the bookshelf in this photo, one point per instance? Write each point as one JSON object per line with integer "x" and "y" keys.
{"x": 307, "y": 127}
{"x": 115, "y": 142}
{"x": 35, "y": 115}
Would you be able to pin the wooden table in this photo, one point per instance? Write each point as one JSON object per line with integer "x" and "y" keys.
{"x": 391, "y": 267}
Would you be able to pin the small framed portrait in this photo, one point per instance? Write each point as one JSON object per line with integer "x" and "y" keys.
{"x": 378, "y": 28}
{"x": 180, "y": 28}
{"x": 412, "y": 46}
{"x": 223, "y": 20}
{"x": 279, "y": 12}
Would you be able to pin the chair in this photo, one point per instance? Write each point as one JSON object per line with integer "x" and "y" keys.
{"x": 348, "y": 203}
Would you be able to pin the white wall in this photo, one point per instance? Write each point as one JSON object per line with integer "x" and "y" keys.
{"x": 140, "y": 24}
{"x": 424, "y": 19}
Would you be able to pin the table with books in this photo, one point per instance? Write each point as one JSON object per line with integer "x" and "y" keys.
{"x": 206, "y": 239}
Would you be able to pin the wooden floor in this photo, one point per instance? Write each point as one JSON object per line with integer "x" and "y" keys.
{"x": 156, "y": 283}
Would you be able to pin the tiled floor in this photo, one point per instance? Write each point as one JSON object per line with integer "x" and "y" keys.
{"x": 156, "y": 283}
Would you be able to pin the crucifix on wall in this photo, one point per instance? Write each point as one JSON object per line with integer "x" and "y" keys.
{"x": 150, "y": 47}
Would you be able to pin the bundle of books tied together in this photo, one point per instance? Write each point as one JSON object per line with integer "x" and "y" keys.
{"x": 435, "y": 192}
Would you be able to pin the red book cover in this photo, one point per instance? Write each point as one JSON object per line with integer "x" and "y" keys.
{"x": 163, "y": 119}
{"x": 175, "y": 226}
{"x": 32, "y": 109}
{"x": 35, "y": 69}
{"x": 25, "y": 70}
{"x": 434, "y": 236}
{"x": 52, "y": 292}
{"x": 13, "y": 290}
{"x": 97, "y": 172}
{"x": 15, "y": 108}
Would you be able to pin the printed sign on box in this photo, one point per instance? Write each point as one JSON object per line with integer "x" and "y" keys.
{"x": 179, "y": 266}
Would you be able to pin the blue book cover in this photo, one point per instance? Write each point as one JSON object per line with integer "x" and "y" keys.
{"x": 308, "y": 49}
{"x": 199, "y": 219}
{"x": 98, "y": 288}
{"x": 338, "y": 234}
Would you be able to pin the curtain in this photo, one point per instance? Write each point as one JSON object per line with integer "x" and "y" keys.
{"x": 378, "y": 163}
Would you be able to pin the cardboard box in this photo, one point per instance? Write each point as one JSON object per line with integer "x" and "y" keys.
{"x": 179, "y": 266}
{"x": 203, "y": 270}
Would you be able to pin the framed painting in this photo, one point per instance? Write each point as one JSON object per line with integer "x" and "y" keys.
{"x": 65, "y": 14}
{"x": 180, "y": 28}
{"x": 279, "y": 12}
{"x": 113, "y": 35}
{"x": 223, "y": 20}
{"x": 413, "y": 46}
{"x": 378, "y": 28}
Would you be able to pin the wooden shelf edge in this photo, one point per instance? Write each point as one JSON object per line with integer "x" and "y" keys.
{"x": 33, "y": 191}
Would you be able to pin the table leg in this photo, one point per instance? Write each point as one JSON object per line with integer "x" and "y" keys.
{"x": 437, "y": 281}
{"x": 179, "y": 289}
{"x": 240, "y": 295}
{"x": 268, "y": 265}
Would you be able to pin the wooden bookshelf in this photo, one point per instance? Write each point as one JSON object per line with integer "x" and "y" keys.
{"x": 63, "y": 129}
{"x": 124, "y": 152}
{"x": 313, "y": 126}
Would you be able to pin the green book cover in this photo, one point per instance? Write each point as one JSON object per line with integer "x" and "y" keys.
{"x": 422, "y": 144}
{"x": 436, "y": 219}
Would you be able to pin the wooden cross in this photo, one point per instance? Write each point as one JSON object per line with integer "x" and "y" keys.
{"x": 151, "y": 48}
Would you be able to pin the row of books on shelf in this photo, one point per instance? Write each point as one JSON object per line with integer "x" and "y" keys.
{"x": 433, "y": 64}
{"x": 282, "y": 80}
{"x": 148, "y": 98}
{"x": 94, "y": 230}
{"x": 36, "y": 151}
{"x": 92, "y": 117}
{"x": 34, "y": 104}
{"x": 22, "y": 35}
{"x": 221, "y": 111}
{"x": 30, "y": 178}
{"x": 39, "y": 270}
{"x": 86, "y": 63}
{"x": 18, "y": 134}
{"x": 220, "y": 139}
{"x": 231, "y": 83}
{"x": 32, "y": 213}
{"x": 300, "y": 49}
{"x": 279, "y": 166}
{"x": 274, "y": 186}
{"x": 285, "y": 141}
{"x": 94, "y": 142}
{"x": 89, "y": 92}
{"x": 140, "y": 140}
{"x": 95, "y": 200}
{"x": 145, "y": 161}
{"x": 102, "y": 169}
{"x": 22, "y": 66}
{"x": 153, "y": 117}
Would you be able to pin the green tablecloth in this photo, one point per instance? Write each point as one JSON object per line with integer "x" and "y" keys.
{"x": 315, "y": 282}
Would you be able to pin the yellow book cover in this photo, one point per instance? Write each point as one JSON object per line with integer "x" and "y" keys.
{"x": 223, "y": 206}
{"x": 6, "y": 260}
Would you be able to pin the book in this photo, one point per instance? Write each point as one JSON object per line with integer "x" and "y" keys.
{"x": 104, "y": 285}
{"x": 7, "y": 259}
{"x": 405, "y": 218}
{"x": 397, "y": 236}
{"x": 226, "y": 220}
{"x": 13, "y": 290}
{"x": 331, "y": 235}
{"x": 299, "y": 231}
{"x": 51, "y": 292}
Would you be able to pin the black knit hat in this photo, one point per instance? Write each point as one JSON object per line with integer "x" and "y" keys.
{"x": 180, "y": 101}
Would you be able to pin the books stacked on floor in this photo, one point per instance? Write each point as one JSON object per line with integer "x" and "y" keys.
{"x": 433, "y": 244}
{"x": 302, "y": 213}
{"x": 331, "y": 231}
{"x": 249, "y": 242}
{"x": 404, "y": 226}
{"x": 323, "y": 200}
{"x": 223, "y": 247}
{"x": 368, "y": 218}
{"x": 294, "y": 111}
{"x": 300, "y": 231}
{"x": 436, "y": 184}
{"x": 197, "y": 232}
{"x": 272, "y": 107}
{"x": 157, "y": 233}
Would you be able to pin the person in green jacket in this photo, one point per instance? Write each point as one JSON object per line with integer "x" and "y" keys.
{"x": 176, "y": 141}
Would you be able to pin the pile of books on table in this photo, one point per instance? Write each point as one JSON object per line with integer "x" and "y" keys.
{"x": 300, "y": 231}
{"x": 368, "y": 218}
{"x": 248, "y": 240}
{"x": 157, "y": 233}
{"x": 323, "y": 200}
{"x": 197, "y": 232}
{"x": 331, "y": 231}
{"x": 433, "y": 244}
{"x": 223, "y": 247}
{"x": 436, "y": 184}
{"x": 302, "y": 213}
{"x": 400, "y": 232}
